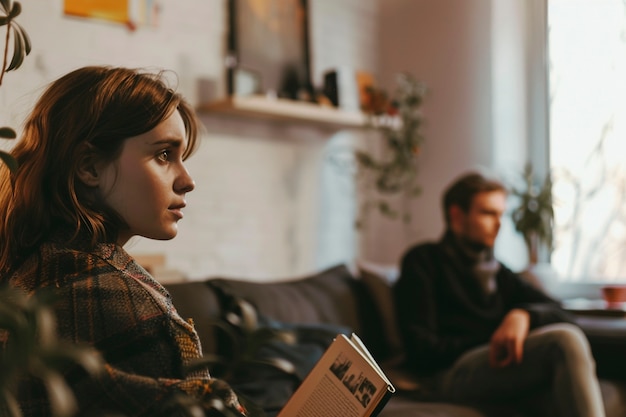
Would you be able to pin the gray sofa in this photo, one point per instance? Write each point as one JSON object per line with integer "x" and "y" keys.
{"x": 336, "y": 300}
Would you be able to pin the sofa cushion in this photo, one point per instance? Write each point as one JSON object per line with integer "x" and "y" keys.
{"x": 325, "y": 297}
{"x": 381, "y": 293}
{"x": 332, "y": 296}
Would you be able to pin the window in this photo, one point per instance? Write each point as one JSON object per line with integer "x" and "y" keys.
{"x": 587, "y": 78}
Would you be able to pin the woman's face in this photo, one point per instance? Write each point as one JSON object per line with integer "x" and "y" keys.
{"x": 147, "y": 183}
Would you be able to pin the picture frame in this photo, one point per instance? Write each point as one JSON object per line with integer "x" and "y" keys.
{"x": 270, "y": 38}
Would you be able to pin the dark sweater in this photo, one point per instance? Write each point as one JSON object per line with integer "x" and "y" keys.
{"x": 443, "y": 311}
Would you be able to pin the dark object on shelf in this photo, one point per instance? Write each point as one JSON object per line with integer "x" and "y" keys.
{"x": 342, "y": 89}
{"x": 330, "y": 87}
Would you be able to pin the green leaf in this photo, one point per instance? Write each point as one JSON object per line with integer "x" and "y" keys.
{"x": 89, "y": 359}
{"x": 386, "y": 209}
{"x": 27, "y": 42}
{"x": 64, "y": 354}
{"x": 365, "y": 159}
{"x": 10, "y": 404}
{"x": 18, "y": 52}
{"x": 7, "y": 133}
{"x": 6, "y": 5}
{"x": 248, "y": 315}
{"x": 9, "y": 161}
{"x": 11, "y": 318}
{"x": 15, "y": 10}
{"x": 281, "y": 364}
{"x": 60, "y": 396}
{"x": 46, "y": 326}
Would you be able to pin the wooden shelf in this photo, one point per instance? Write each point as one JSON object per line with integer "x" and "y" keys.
{"x": 285, "y": 111}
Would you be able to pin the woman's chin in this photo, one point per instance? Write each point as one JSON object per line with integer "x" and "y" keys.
{"x": 162, "y": 235}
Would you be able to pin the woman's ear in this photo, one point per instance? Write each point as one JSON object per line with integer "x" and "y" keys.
{"x": 87, "y": 172}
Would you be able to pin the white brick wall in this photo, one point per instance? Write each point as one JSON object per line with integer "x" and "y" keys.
{"x": 267, "y": 204}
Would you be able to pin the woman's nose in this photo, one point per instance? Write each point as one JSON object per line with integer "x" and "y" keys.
{"x": 185, "y": 183}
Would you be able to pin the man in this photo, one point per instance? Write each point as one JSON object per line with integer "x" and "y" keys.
{"x": 482, "y": 332}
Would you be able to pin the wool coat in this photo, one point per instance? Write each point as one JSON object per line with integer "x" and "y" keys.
{"x": 104, "y": 299}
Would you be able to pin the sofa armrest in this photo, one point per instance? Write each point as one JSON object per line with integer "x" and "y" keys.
{"x": 607, "y": 337}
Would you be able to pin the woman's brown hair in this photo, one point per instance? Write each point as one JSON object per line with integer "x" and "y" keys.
{"x": 87, "y": 113}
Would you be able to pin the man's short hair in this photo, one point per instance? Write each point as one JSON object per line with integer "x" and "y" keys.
{"x": 462, "y": 191}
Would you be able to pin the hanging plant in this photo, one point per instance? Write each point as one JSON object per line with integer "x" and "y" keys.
{"x": 395, "y": 172}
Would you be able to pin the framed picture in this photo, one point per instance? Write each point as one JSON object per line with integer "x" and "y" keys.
{"x": 270, "y": 38}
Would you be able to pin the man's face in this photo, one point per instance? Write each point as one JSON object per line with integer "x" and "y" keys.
{"x": 480, "y": 225}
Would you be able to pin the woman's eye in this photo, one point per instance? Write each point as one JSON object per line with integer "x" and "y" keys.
{"x": 163, "y": 156}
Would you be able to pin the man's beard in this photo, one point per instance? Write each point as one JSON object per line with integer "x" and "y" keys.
{"x": 474, "y": 245}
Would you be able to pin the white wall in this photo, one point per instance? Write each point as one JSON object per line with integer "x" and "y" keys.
{"x": 268, "y": 204}
{"x": 188, "y": 41}
{"x": 446, "y": 44}
{"x": 482, "y": 61}
{"x": 520, "y": 106}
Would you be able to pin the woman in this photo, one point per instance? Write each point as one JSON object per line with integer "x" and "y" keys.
{"x": 102, "y": 160}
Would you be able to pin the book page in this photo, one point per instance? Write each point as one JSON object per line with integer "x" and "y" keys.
{"x": 359, "y": 345}
{"x": 342, "y": 384}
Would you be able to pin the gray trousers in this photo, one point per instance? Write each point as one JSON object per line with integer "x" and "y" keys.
{"x": 557, "y": 362}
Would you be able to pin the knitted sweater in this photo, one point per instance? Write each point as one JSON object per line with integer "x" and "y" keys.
{"x": 443, "y": 310}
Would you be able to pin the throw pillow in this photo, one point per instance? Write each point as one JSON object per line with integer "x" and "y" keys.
{"x": 381, "y": 292}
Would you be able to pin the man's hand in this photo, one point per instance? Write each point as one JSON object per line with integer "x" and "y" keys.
{"x": 507, "y": 342}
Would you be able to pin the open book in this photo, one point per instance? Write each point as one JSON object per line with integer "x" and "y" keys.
{"x": 345, "y": 382}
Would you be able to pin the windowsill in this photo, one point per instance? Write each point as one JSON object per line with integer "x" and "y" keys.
{"x": 563, "y": 290}
{"x": 571, "y": 290}
{"x": 594, "y": 307}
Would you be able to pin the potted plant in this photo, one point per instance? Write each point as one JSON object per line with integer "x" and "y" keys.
{"x": 246, "y": 337}
{"x": 533, "y": 217}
